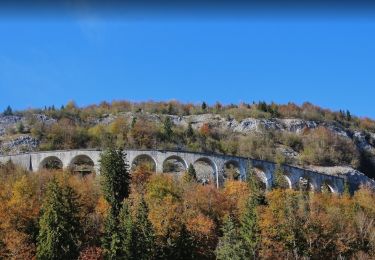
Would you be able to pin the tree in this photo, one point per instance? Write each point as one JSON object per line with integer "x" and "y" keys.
{"x": 115, "y": 182}
{"x": 144, "y": 244}
{"x": 230, "y": 244}
{"x": 348, "y": 115}
{"x": 115, "y": 178}
{"x": 279, "y": 181}
{"x": 204, "y": 106}
{"x": 167, "y": 128}
{"x": 190, "y": 131}
{"x": 59, "y": 234}
{"x": 111, "y": 241}
{"x": 8, "y": 111}
{"x": 190, "y": 175}
{"x": 249, "y": 229}
{"x": 127, "y": 231}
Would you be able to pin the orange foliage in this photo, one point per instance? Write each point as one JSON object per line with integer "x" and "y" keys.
{"x": 140, "y": 177}
{"x": 205, "y": 129}
{"x": 237, "y": 193}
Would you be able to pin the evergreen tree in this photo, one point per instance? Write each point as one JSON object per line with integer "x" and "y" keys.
{"x": 8, "y": 111}
{"x": 254, "y": 184}
{"x": 249, "y": 229}
{"x": 112, "y": 243}
{"x": 167, "y": 128}
{"x": 115, "y": 178}
{"x": 204, "y": 106}
{"x": 279, "y": 181}
{"x": 144, "y": 244}
{"x": 190, "y": 175}
{"x": 230, "y": 246}
{"x": 134, "y": 121}
{"x": 115, "y": 182}
{"x": 126, "y": 229}
{"x": 348, "y": 115}
{"x": 190, "y": 131}
{"x": 59, "y": 224}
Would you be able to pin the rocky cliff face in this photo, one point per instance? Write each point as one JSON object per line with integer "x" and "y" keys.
{"x": 12, "y": 142}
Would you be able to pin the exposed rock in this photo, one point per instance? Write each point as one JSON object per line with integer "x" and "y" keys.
{"x": 20, "y": 144}
{"x": 298, "y": 125}
{"x": 8, "y": 122}
{"x": 44, "y": 119}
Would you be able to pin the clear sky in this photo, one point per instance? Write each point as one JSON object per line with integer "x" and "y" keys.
{"x": 89, "y": 57}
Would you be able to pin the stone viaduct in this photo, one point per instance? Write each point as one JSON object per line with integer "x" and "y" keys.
{"x": 213, "y": 170}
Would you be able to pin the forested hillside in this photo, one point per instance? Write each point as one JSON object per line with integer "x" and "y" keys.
{"x": 306, "y": 135}
{"x": 141, "y": 215}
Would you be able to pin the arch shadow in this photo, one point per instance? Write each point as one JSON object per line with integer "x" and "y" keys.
{"x": 144, "y": 160}
{"x": 51, "y": 163}
{"x": 174, "y": 164}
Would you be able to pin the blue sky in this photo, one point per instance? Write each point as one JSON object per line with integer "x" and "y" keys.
{"x": 88, "y": 58}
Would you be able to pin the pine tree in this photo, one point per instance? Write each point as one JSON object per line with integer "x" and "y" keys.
{"x": 190, "y": 175}
{"x": 204, "y": 106}
{"x": 115, "y": 182}
{"x": 249, "y": 229}
{"x": 279, "y": 181}
{"x": 190, "y": 131}
{"x": 59, "y": 234}
{"x": 348, "y": 115}
{"x": 115, "y": 178}
{"x": 126, "y": 230}
{"x": 167, "y": 128}
{"x": 144, "y": 247}
{"x": 230, "y": 246}
{"x": 134, "y": 121}
{"x": 111, "y": 242}
{"x": 8, "y": 111}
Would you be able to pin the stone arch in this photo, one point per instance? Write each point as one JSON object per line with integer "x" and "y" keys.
{"x": 327, "y": 186}
{"x": 51, "y": 163}
{"x": 261, "y": 176}
{"x": 232, "y": 170}
{"x": 305, "y": 184}
{"x": 206, "y": 170}
{"x": 174, "y": 164}
{"x": 288, "y": 181}
{"x": 82, "y": 164}
{"x": 144, "y": 160}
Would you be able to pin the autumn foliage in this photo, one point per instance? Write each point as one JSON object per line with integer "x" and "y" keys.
{"x": 194, "y": 221}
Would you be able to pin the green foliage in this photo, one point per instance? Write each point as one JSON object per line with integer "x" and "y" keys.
{"x": 112, "y": 243}
{"x": 115, "y": 179}
{"x": 8, "y": 111}
{"x": 126, "y": 229}
{"x": 190, "y": 132}
{"x": 230, "y": 246}
{"x": 190, "y": 175}
{"x": 204, "y": 106}
{"x": 279, "y": 180}
{"x": 167, "y": 128}
{"x": 249, "y": 229}
{"x": 144, "y": 240}
{"x": 59, "y": 234}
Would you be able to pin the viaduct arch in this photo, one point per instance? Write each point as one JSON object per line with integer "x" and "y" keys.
{"x": 218, "y": 163}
